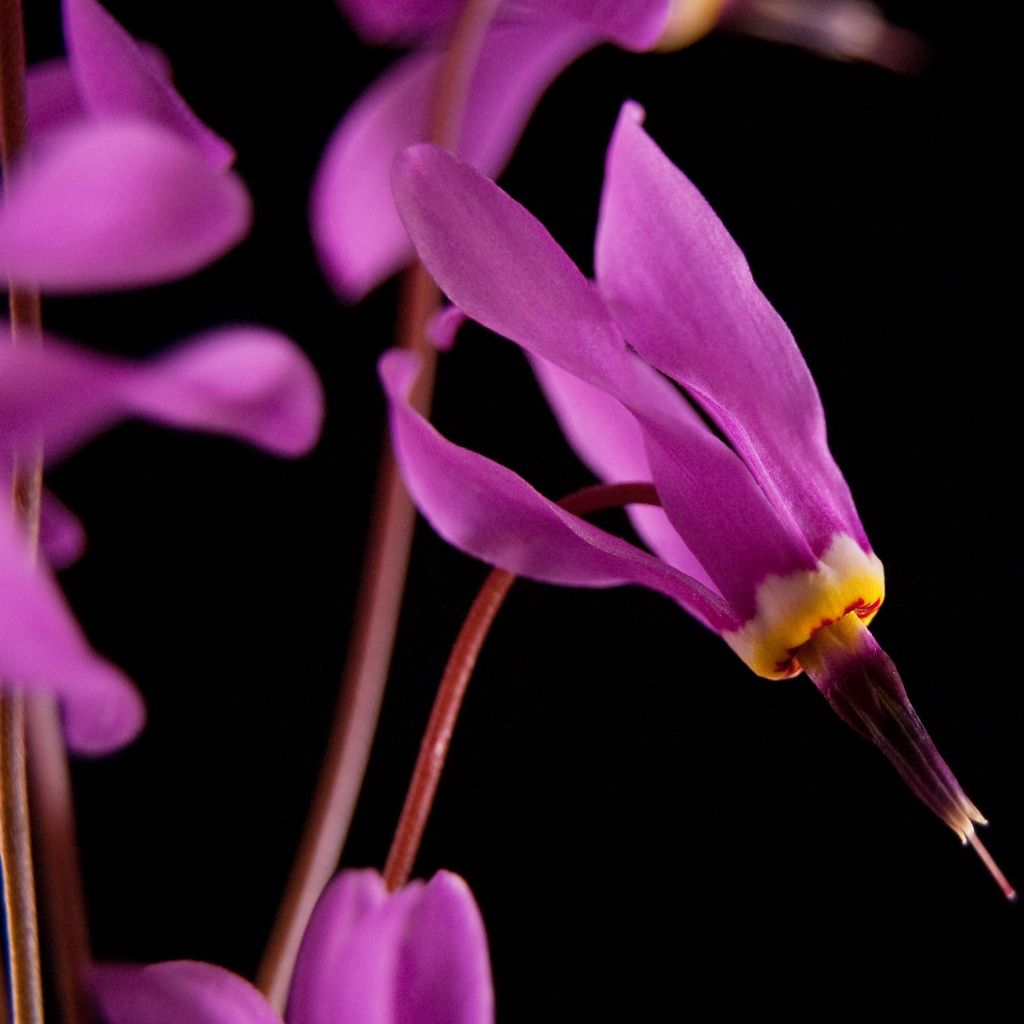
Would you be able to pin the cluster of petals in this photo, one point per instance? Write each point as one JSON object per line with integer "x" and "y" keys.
{"x": 526, "y": 47}
{"x": 417, "y": 956}
{"x": 121, "y": 185}
{"x": 757, "y": 536}
{"x": 673, "y": 299}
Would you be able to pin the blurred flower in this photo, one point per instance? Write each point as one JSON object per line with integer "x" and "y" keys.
{"x": 758, "y": 536}
{"x": 123, "y": 185}
{"x": 356, "y": 228}
{"x": 417, "y": 956}
{"x": 248, "y": 382}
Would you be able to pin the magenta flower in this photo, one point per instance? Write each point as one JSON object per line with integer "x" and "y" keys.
{"x": 355, "y": 226}
{"x": 358, "y": 233}
{"x": 248, "y": 382}
{"x": 126, "y": 186}
{"x": 758, "y": 536}
{"x": 417, "y": 956}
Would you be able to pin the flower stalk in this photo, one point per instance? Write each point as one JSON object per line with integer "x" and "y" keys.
{"x": 383, "y": 576}
{"x": 26, "y": 996}
{"x": 437, "y": 738}
{"x": 32, "y": 753}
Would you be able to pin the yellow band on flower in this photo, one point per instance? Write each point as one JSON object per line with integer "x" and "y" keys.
{"x": 688, "y": 21}
{"x": 790, "y": 609}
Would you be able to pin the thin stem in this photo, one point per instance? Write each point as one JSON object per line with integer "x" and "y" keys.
{"x": 26, "y": 993}
{"x": 437, "y": 738}
{"x": 33, "y": 742}
{"x": 383, "y": 577}
{"x": 16, "y": 852}
{"x": 57, "y": 850}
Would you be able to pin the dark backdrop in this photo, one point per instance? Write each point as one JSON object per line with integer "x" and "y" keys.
{"x": 651, "y": 831}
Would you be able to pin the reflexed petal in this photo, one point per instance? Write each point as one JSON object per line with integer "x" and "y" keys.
{"x": 178, "y": 992}
{"x": 491, "y": 513}
{"x": 248, "y": 382}
{"x": 682, "y": 290}
{"x": 498, "y": 264}
{"x": 418, "y": 956}
{"x": 117, "y": 78}
{"x": 359, "y": 236}
{"x": 43, "y": 650}
{"x": 399, "y": 21}
{"x": 115, "y": 205}
{"x": 609, "y": 441}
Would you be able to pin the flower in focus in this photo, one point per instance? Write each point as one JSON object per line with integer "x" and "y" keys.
{"x": 125, "y": 185}
{"x": 758, "y": 536}
{"x": 247, "y": 382}
{"x": 417, "y": 956}
{"x": 357, "y": 231}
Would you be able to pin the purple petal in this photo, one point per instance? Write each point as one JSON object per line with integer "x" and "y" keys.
{"x": 115, "y": 205}
{"x": 418, "y": 956}
{"x": 51, "y": 97}
{"x": 632, "y": 24}
{"x": 445, "y": 973}
{"x": 51, "y": 92}
{"x": 399, "y": 21}
{"x": 248, "y": 382}
{"x": 117, "y": 78}
{"x": 43, "y": 650}
{"x": 177, "y": 992}
{"x": 443, "y": 327}
{"x": 61, "y": 535}
{"x": 358, "y": 233}
{"x": 498, "y": 264}
{"x": 493, "y": 514}
{"x": 682, "y": 290}
{"x": 610, "y": 442}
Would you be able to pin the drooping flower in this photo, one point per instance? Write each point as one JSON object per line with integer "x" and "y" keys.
{"x": 125, "y": 185}
{"x": 357, "y": 231}
{"x": 247, "y": 382}
{"x": 758, "y": 536}
{"x": 417, "y": 956}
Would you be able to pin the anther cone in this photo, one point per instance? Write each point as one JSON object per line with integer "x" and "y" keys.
{"x": 860, "y": 682}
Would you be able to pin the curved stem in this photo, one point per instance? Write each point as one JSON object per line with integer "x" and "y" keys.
{"x": 437, "y": 738}
{"x": 383, "y": 576}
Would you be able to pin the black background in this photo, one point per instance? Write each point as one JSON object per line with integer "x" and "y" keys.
{"x": 652, "y": 833}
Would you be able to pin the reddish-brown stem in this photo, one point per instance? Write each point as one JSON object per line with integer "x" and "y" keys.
{"x": 26, "y": 994}
{"x": 383, "y": 575}
{"x": 32, "y": 733}
{"x": 437, "y": 738}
